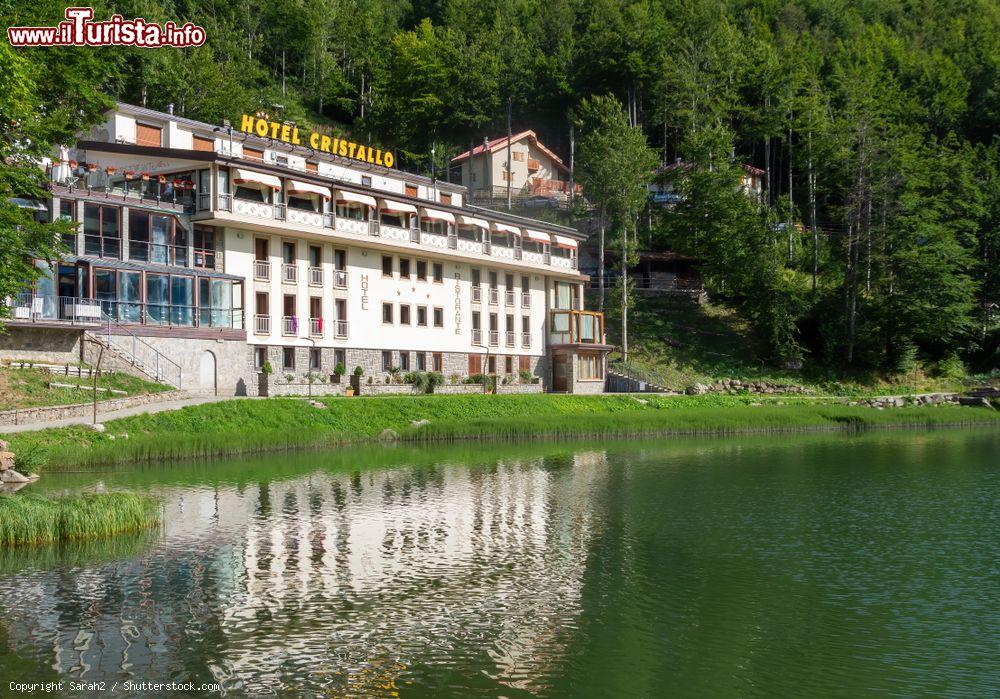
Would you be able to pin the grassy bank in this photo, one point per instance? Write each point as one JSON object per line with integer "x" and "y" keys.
{"x": 29, "y": 388}
{"x": 248, "y": 426}
{"x": 33, "y": 519}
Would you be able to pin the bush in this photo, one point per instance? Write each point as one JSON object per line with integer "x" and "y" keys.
{"x": 526, "y": 376}
{"x": 358, "y": 371}
{"x": 951, "y": 367}
{"x": 339, "y": 369}
{"x": 267, "y": 368}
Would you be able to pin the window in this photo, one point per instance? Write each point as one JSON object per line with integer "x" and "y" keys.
{"x": 492, "y": 364}
{"x": 421, "y": 361}
{"x": 508, "y": 364}
{"x": 314, "y": 359}
{"x": 352, "y": 210}
{"x": 476, "y": 281}
{"x": 438, "y": 273}
{"x": 66, "y": 214}
{"x": 386, "y": 361}
{"x": 475, "y": 364}
{"x": 506, "y": 175}
{"x": 204, "y": 247}
{"x": 421, "y": 270}
{"x": 439, "y": 317}
{"x": 524, "y": 363}
{"x": 387, "y": 313}
{"x": 259, "y": 357}
{"x": 404, "y": 361}
{"x": 366, "y": 181}
{"x": 589, "y": 366}
{"x": 340, "y": 357}
{"x": 433, "y": 226}
{"x": 436, "y": 362}
{"x": 525, "y": 324}
{"x": 404, "y": 314}
{"x": 444, "y": 198}
{"x": 422, "y": 316}
{"x": 204, "y": 144}
{"x": 216, "y": 300}
{"x": 493, "y": 280}
{"x": 510, "y": 323}
{"x": 386, "y": 265}
{"x": 261, "y": 302}
{"x": 288, "y": 252}
{"x": 476, "y": 322}
{"x": 393, "y": 219}
{"x": 156, "y": 238}
{"x": 494, "y": 322}
{"x": 251, "y": 192}
{"x": 253, "y": 153}
{"x": 518, "y": 156}
{"x": 146, "y": 135}
{"x": 404, "y": 267}
{"x": 525, "y": 283}
{"x": 288, "y": 358}
{"x": 315, "y": 256}
{"x": 101, "y": 236}
{"x": 340, "y": 260}
{"x": 411, "y": 190}
{"x": 261, "y": 250}
{"x": 306, "y": 203}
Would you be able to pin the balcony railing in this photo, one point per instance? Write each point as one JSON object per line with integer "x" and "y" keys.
{"x": 289, "y": 273}
{"x": 340, "y": 278}
{"x": 525, "y": 340}
{"x": 262, "y": 270}
{"x": 572, "y": 327}
{"x": 494, "y": 338}
{"x": 29, "y": 307}
{"x": 477, "y": 294}
{"x": 315, "y": 276}
{"x": 414, "y": 235}
{"x": 262, "y": 324}
{"x": 315, "y": 327}
{"x": 510, "y": 335}
{"x": 494, "y": 295}
{"x": 508, "y": 297}
{"x": 205, "y": 258}
{"x": 158, "y": 253}
{"x": 289, "y": 325}
{"x": 340, "y": 328}
{"x": 374, "y": 228}
{"x": 477, "y": 336}
{"x": 525, "y": 299}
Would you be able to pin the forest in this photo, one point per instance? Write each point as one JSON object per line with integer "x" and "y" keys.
{"x": 874, "y": 248}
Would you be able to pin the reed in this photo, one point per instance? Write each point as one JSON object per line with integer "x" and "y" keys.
{"x": 35, "y": 519}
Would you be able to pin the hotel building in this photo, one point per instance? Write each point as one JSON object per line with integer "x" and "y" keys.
{"x": 202, "y": 253}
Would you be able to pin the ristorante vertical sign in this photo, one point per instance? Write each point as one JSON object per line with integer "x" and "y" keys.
{"x": 287, "y": 133}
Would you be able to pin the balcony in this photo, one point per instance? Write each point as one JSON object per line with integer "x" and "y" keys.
{"x": 262, "y": 324}
{"x": 494, "y": 338}
{"x": 525, "y": 299}
{"x": 340, "y": 329}
{"x": 30, "y": 308}
{"x": 508, "y": 297}
{"x": 315, "y": 327}
{"x": 510, "y": 337}
{"x": 494, "y": 295}
{"x": 533, "y": 165}
{"x": 340, "y": 278}
{"x": 525, "y": 340}
{"x": 477, "y": 337}
{"x": 576, "y": 327}
{"x": 142, "y": 251}
{"x": 315, "y": 276}
{"x": 289, "y": 273}
{"x": 477, "y": 294}
{"x": 289, "y": 326}
{"x": 262, "y": 270}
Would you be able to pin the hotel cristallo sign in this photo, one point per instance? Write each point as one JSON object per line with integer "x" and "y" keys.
{"x": 261, "y": 126}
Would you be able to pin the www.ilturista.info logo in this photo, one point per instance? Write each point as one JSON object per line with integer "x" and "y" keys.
{"x": 80, "y": 30}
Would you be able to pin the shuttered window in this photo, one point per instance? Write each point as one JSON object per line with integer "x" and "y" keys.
{"x": 524, "y": 363}
{"x": 411, "y": 190}
{"x": 312, "y": 167}
{"x": 205, "y": 144}
{"x": 148, "y": 135}
{"x": 445, "y": 198}
{"x": 475, "y": 364}
{"x": 253, "y": 153}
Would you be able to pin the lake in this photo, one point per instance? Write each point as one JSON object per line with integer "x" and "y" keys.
{"x": 805, "y": 565}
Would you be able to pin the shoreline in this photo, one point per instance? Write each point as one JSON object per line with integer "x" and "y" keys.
{"x": 233, "y": 429}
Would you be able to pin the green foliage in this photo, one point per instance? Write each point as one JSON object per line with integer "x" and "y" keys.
{"x": 358, "y": 371}
{"x": 26, "y": 388}
{"x": 31, "y": 519}
{"x": 339, "y": 369}
{"x": 267, "y": 368}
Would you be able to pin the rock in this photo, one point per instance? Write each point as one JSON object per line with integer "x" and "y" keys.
{"x": 419, "y": 423}
{"x": 388, "y": 435}
{"x": 33, "y": 476}
{"x": 697, "y": 389}
{"x": 317, "y": 404}
{"x": 6, "y": 460}
{"x": 97, "y": 427}
{"x": 975, "y": 402}
{"x": 12, "y": 476}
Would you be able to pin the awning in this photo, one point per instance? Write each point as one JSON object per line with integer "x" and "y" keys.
{"x": 397, "y": 207}
{"x": 473, "y": 221}
{"x": 297, "y": 187}
{"x": 504, "y": 228}
{"x": 537, "y": 236}
{"x": 437, "y": 215}
{"x": 344, "y": 195}
{"x": 562, "y": 241}
{"x": 250, "y": 177}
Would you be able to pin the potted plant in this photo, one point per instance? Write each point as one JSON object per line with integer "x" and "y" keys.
{"x": 525, "y": 376}
{"x": 110, "y": 170}
{"x": 338, "y": 372}
{"x": 91, "y": 167}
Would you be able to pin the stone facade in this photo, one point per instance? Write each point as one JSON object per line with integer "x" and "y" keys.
{"x": 275, "y": 385}
{"x": 62, "y": 412}
{"x": 57, "y": 345}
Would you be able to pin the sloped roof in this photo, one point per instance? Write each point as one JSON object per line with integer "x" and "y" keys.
{"x": 500, "y": 143}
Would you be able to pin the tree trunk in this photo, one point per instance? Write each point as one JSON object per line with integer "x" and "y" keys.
{"x": 624, "y": 285}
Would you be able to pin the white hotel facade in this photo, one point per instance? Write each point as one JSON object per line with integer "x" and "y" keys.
{"x": 201, "y": 253}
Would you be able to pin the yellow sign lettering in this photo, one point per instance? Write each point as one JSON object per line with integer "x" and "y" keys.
{"x": 288, "y": 133}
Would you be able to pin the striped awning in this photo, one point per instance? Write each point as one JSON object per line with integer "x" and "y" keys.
{"x": 242, "y": 176}
{"x": 297, "y": 187}
{"x": 397, "y": 207}
{"x": 506, "y": 228}
{"x": 354, "y": 198}
{"x": 562, "y": 241}
{"x": 473, "y": 221}
{"x": 437, "y": 215}
{"x": 537, "y": 236}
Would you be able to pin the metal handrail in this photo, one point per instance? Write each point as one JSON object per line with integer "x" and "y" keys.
{"x": 140, "y": 353}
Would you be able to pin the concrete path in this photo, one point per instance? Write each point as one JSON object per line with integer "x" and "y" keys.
{"x": 106, "y": 415}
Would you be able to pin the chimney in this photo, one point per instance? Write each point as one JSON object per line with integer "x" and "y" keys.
{"x": 170, "y": 109}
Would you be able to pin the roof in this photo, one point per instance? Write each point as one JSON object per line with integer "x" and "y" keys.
{"x": 685, "y": 166}
{"x": 500, "y": 143}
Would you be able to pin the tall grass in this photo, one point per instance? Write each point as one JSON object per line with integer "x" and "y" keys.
{"x": 35, "y": 519}
{"x": 246, "y": 427}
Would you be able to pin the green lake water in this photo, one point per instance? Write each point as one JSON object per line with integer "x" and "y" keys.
{"x": 792, "y": 566}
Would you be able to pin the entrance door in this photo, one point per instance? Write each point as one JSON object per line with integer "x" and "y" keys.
{"x": 560, "y": 373}
{"x": 207, "y": 380}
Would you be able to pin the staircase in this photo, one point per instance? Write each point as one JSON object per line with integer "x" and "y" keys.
{"x": 625, "y": 378}
{"x": 130, "y": 349}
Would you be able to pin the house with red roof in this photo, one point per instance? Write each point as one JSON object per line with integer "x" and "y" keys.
{"x": 534, "y": 169}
